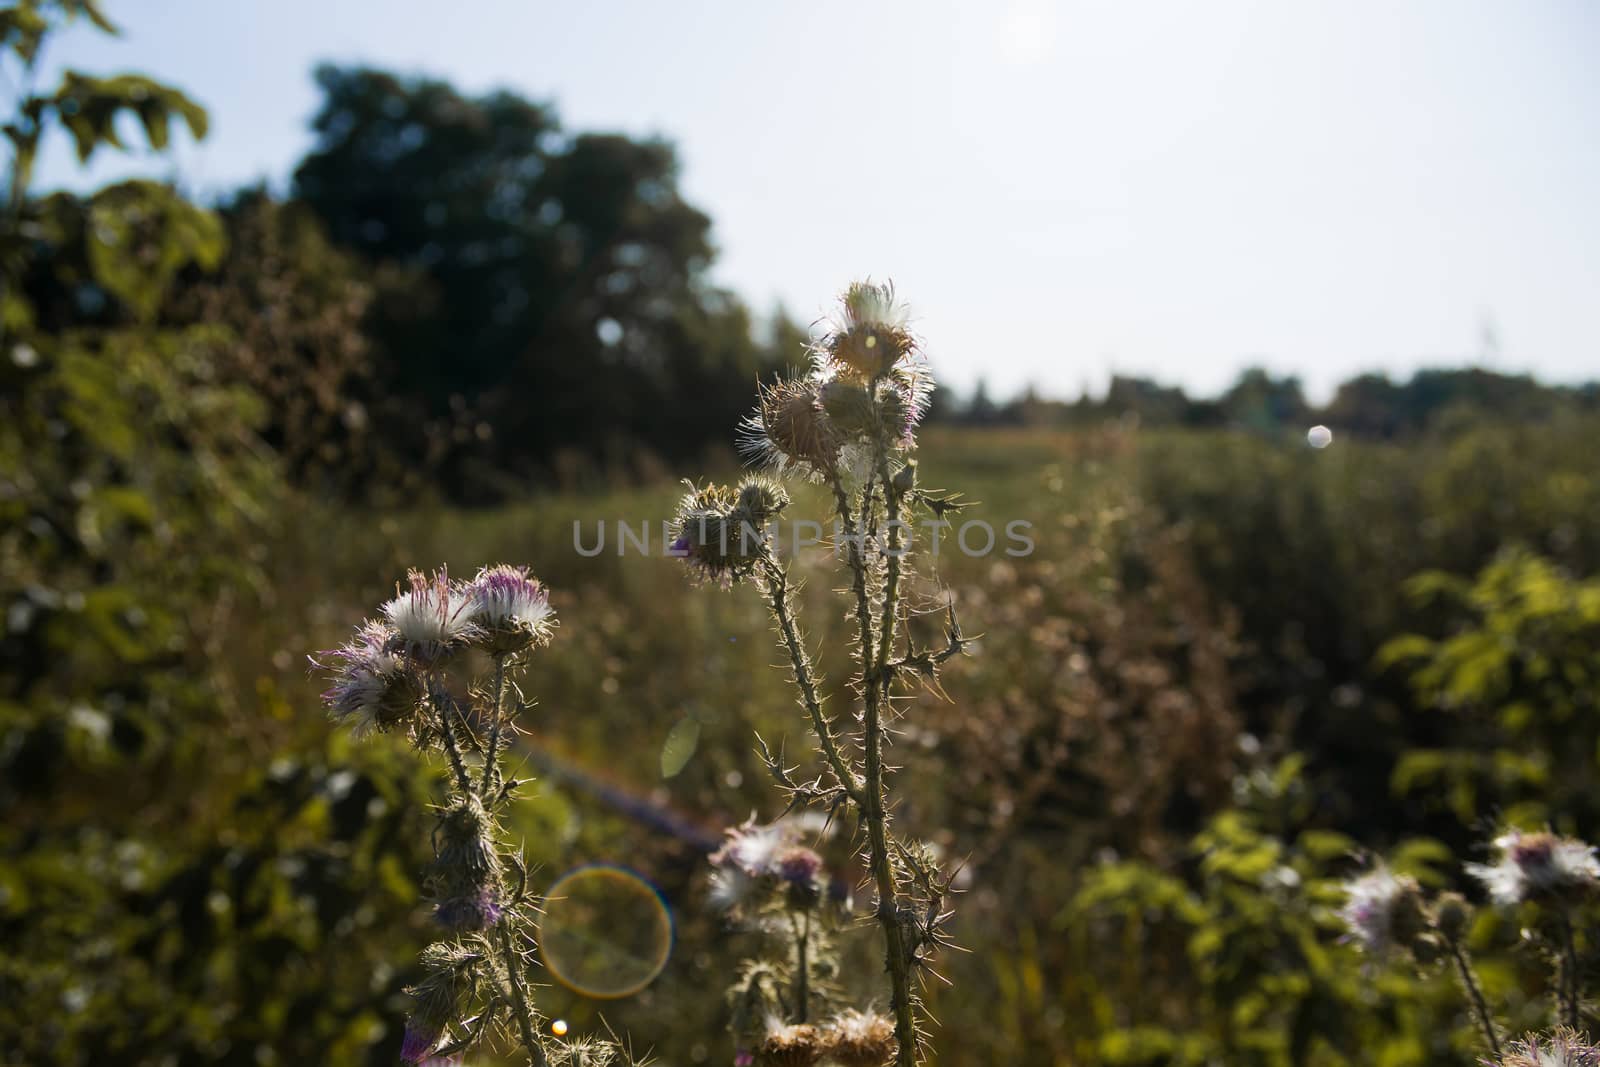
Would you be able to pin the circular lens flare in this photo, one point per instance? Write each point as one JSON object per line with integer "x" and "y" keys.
{"x": 605, "y": 932}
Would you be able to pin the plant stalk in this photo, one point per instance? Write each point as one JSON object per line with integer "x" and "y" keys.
{"x": 519, "y": 998}
{"x": 492, "y": 753}
{"x": 800, "y": 663}
{"x": 1480, "y": 1006}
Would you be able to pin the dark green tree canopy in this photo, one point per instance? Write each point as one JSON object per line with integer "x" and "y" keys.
{"x": 558, "y": 291}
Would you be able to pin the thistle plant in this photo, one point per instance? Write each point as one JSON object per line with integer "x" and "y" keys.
{"x": 849, "y": 425}
{"x": 394, "y": 676}
{"x": 1540, "y": 879}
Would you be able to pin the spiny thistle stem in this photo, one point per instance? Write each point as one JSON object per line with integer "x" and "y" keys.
{"x": 858, "y": 573}
{"x": 442, "y": 703}
{"x": 891, "y": 591}
{"x": 800, "y": 663}
{"x": 1480, "y": 1006}
{"x": 802, "y": 977}
{"x": 1567, "y": 985}
{"x": 870, "y": 803}
{"x": 519, "y": 998}
{"x": 898, "y": 959}
{"x": 491, "y": 756}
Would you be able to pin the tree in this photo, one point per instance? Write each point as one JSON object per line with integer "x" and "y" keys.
{"x": 563, "y": 293}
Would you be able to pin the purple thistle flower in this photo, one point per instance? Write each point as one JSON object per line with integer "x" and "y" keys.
{"x": 511, "y": 609}
{"x": 798, "y": 865}
{"x": 371, "y": 686}
{"x": 473, "y": 911}
{"x": 420, "y": 1039}
{"x": 744, "y": 1058}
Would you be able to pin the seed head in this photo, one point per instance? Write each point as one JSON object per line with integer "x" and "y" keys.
{"x": 868, "y": 339}
{"x": 860, "y": 1039}
{"x": 790, "y": 1045}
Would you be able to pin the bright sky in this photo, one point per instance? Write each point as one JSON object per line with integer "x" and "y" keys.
{"x": 1061, "y": 189}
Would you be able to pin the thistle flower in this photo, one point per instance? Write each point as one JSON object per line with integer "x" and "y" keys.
{"x": 469, "y": 912}
{"x": 800, "y": 870}
{"x": 510, "y": 608}
{"x": 798, "y": 865}
{"x": 421, "y": 1037}
{"x": 433, "y": 619}
{"x": 752, "y": 848}
{"x": 371, "y": 686}
{"x": 790, "y": 1045}
{"x": 869, "y": 339}
{"x": 860, "y": 1039}
{"x": 1382, "y": 909}
{"x": 790, "y": 430}
{"x": 1537, "y": 866}
{"x": 446, "y": 968}
{"x": 1566, "y": 1048}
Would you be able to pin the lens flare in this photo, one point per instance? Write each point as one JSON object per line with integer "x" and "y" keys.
{"x": 605, "y": 933}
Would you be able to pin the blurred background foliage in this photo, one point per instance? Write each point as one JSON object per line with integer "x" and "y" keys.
{"x": 1231, "y": 667}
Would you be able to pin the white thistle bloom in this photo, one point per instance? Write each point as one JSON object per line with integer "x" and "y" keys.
{"x": 1536, "y": 865}
{"x": 511, "y": 609}
{"x": 866, "y": 304}
{"x": 869, "y": 338}
{"x": 1566, "y": 1048}
{"x": 752, "y": 848}
{"x": 1373, "y": 904}
{"x": 433, "y": 618}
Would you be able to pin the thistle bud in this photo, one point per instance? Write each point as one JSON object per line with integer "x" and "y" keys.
{"x": 760, "y": 501}
{"x": 1452, "y": 915}
{"x": 446, "y": 972}
{"x": 849, "y": 406}
{"x": 466, "y": 840}
{"x": 790, "y": 429}
{"x": 716, "y": 536}
{"x": 476, "y": 910}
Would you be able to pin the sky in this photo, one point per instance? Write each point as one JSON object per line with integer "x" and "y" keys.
{"x": 1062, "y": 190}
